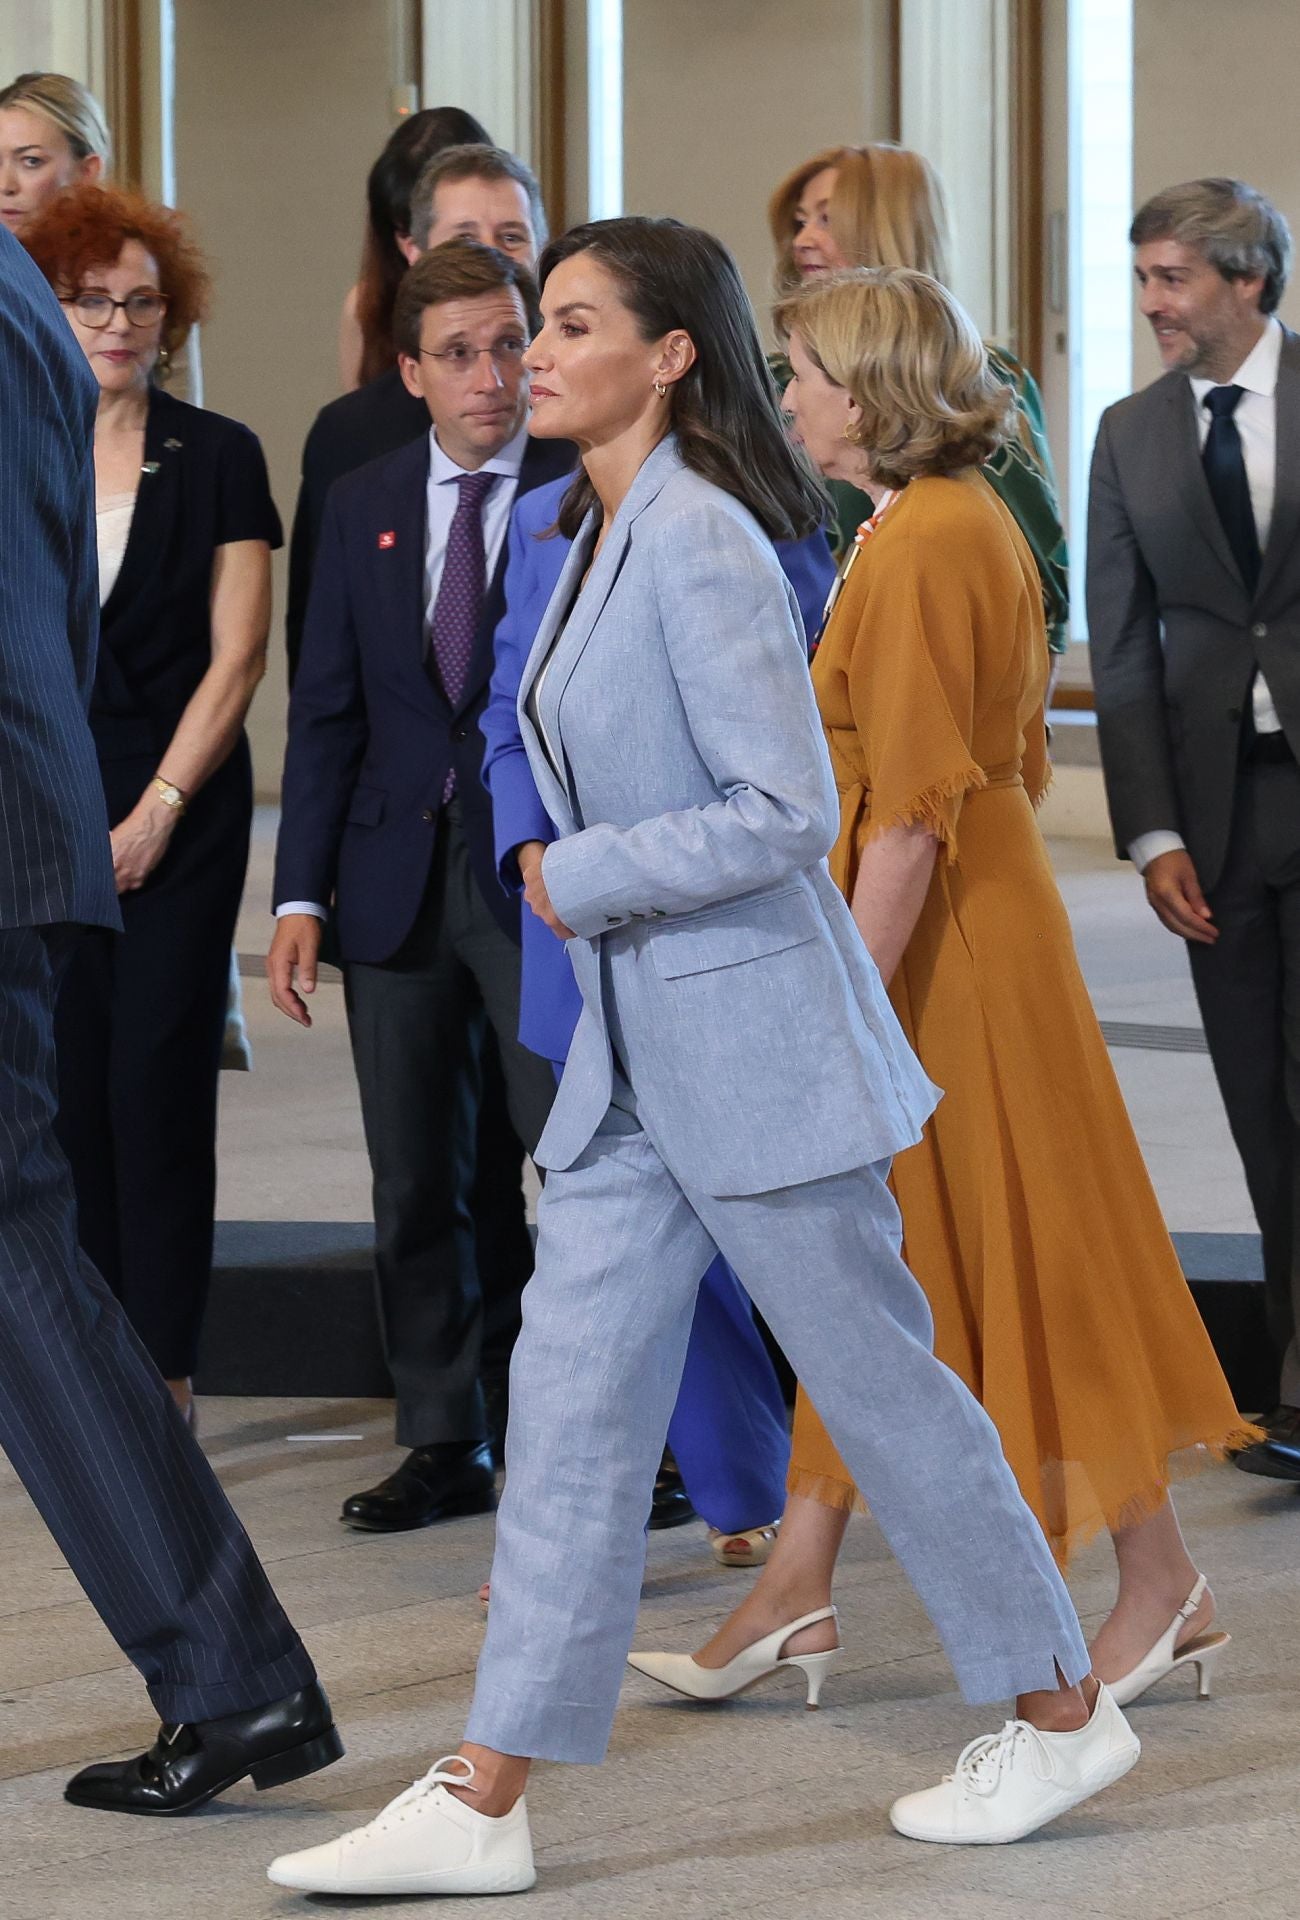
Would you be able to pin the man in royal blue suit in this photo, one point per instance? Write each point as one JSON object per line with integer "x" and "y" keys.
{"x": 728, "y": 1433}
{"x": 384, "y": 815}
{"x": 85, "y": 1419}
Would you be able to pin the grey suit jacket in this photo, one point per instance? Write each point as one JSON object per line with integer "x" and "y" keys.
{"x": 54, "y": 852}
{"x": 1176, "y": 638}
{"x": 695, "y": 807}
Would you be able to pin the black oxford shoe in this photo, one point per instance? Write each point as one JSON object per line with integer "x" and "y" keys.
{"x": 433, "y": 1483}
{"x": 670, "y": 1505}
{"x": 1277, "y": 1457}
{"x": 190, "y": 1763}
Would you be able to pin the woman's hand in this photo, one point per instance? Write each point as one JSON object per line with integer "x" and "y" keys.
{"x": 140, "y": 841}
{"x": 529, "y": 856}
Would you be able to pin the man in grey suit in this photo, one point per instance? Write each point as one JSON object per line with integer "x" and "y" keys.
{"x": 1194, "y": 618}
{"x": 85, "y": 1419}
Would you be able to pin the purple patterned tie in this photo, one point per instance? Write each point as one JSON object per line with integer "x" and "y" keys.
{"x": 459, "y": 604}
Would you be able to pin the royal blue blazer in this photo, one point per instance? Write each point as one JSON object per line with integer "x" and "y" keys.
{"x": 550, "y": 1002}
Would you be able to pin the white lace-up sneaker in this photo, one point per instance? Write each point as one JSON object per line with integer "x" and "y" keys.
{"x": 425, "y": 1841}
{"x": 1010, "y": 1783}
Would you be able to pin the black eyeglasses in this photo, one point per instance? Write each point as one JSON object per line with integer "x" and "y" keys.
{"x": 97, "y": 309}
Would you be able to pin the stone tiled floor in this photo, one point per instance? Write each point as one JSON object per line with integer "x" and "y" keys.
{"x": 757, "y": 1809}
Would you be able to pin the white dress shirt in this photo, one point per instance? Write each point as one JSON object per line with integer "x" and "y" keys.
{"x": 442, "y": 497}
{"x": 1256, "y": 418}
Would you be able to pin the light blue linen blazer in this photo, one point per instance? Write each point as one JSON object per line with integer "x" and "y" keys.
{"x": 695, "y": 806}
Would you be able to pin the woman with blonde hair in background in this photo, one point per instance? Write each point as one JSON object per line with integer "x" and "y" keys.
{"x": 884, "y": 206}
{"x": 1056, "y": 1294}
{"x": 53, "y": 135}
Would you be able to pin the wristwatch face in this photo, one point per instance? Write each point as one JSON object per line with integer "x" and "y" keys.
{"x": 172, "y": 795}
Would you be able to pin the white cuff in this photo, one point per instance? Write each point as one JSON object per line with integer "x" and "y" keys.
{"x": 1149, "y": 846}
{"x": 301, "y": 906}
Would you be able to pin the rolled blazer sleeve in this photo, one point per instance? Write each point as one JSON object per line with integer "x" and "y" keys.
{"x": 726, "y": 618}
{"x": 1127, "y": 661}
{"x": 517, "y": 811}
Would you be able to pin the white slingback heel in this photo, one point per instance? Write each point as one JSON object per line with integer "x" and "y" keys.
{"x": 1201, "y": 1652}
{"x": 684, "y": 1674}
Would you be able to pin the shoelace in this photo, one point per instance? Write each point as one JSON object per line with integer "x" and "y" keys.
{"x": 437, "y": 1776}
{"x": 981, "y": 1765}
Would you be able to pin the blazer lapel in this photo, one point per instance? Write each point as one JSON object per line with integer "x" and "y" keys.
{"x": 1193, "y": 487}
{"x": 157, "y": 501}
{"x": 1285, "y": 524}
{"x": 398, "y": 539}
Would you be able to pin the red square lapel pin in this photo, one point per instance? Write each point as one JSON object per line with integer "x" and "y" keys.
{"x": 387, "y": 540}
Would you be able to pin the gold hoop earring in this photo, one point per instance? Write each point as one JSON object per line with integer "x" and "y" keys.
{"x": 661, "y": 389}
{"x": 848, "y": 433}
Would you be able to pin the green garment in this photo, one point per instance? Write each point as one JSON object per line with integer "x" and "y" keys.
{"x": 1022, "y": 476}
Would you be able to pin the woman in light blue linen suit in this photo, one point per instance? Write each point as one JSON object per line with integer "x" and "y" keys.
{"x": 737, "y": 1084}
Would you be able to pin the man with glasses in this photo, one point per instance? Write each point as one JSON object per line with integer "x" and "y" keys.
{"x": 385, "y": 813}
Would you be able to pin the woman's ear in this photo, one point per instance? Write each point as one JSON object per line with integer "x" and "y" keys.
{"x": 677, "y": 356}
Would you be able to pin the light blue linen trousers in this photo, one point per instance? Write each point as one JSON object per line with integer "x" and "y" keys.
{"x": 622, "y": 1242}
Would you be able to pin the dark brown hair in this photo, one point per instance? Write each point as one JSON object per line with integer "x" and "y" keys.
{"x": 88, "y": 226}
{"x": 407, "y": 151}
{"x": 459, "y": 269}
{"x": 724, "y": 410}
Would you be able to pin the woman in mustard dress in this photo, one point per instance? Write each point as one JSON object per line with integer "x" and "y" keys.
{"x": 1056, "y": 1293}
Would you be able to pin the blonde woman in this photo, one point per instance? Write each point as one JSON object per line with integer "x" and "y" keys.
{"x": 1056, "y": 1294}
{"x": 53, "y": 135}
{"x": 884, "y": 206}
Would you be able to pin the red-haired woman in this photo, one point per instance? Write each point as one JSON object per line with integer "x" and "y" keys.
{"x": 185, "y": 527}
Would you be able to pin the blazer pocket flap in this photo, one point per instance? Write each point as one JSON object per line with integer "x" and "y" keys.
{"x": 729, "y": 936}
{"x": 367, "y": 807}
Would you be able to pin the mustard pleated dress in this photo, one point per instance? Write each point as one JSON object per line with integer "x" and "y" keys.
{"x": 1028, "y": 1215}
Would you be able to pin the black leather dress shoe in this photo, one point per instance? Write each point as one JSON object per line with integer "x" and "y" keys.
{"x": 432, "y": 1483}
{"x": 670, "y": 1505}
{"x": 1278, "y": 1457}
{"x": 190, "y": 1763}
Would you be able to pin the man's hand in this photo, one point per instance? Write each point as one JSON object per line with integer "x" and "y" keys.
{"x": 1175, "y": 893}
{"x": 294, "y": 951}
{"x": 529, "y": 856}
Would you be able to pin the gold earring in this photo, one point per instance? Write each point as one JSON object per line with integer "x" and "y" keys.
{"x": 661, "y": 389}
{"x": 848, "y": 433}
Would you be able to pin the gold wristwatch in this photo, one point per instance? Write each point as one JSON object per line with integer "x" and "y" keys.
{"x": 169, "y": 795}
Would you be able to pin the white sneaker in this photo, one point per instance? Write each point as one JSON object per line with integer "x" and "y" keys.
{"x": 1010, "y": 1783}
{"x": 425, "y": 1841}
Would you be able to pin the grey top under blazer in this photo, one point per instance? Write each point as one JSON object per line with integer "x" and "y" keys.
{"x": 713, "y": 950}
{"x": 55, "y": 865}
{"x": 1176, "y": 637}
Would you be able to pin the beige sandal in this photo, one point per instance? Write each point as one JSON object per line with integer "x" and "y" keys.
{"x": 746, "y": 1549}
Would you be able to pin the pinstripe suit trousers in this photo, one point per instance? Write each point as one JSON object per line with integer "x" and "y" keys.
{"x": 90, "y": 1428}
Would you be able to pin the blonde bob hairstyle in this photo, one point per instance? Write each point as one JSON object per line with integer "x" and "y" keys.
{"x": 887, "y": 209}
{"x": 909, "y": 354}
{"x": 72, "y": 108}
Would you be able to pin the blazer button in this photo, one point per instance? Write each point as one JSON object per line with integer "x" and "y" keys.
{"x": 1259, "y": 631}
{"x": 611, "y": 919}
{"x": 461, "y": 733}
{"x": 427, "y": 814}
{"x": 659, "y": 913}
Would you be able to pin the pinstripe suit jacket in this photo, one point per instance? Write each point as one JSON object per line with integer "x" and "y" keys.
{"x": 54, "y": 853}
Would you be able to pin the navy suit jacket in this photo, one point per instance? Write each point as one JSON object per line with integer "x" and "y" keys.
{"x": 55, "y": 865}
{"x": 550, "y": 1002}
{"x": 372, "y": 736}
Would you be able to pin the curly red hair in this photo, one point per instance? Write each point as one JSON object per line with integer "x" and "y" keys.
{"x": 87, "y": 226}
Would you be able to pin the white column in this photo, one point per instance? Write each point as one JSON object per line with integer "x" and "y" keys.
{"x": 478, "y": 54}
{"x": 955, "y": 108}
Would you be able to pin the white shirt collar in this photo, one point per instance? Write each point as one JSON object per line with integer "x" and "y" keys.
{"x": 443, "y": 468}
{"x": 1258, "y": 371}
